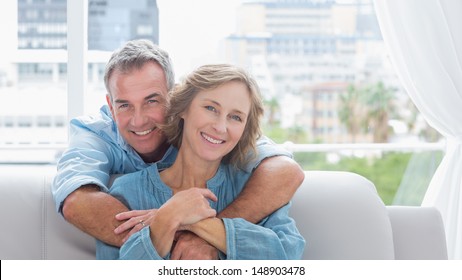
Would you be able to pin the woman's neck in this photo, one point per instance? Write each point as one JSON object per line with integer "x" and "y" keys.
{"x": 188, "y": 172}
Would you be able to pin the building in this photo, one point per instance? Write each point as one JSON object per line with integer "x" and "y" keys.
{"x": 295, "y": 45}
{"x": 112, "y": 22}
{"x": 42, "y": 23}
{"x": 42, "y": 26}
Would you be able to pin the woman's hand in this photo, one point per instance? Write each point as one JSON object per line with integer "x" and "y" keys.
{"x": 183, "y": 208}
{"x": 190, "y": 206}
{"x": 135, "y": 220}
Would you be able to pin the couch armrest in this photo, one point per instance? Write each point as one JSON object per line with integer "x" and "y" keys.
{"x": 418, "y": 233}
{"x": 342, "y": 217}
{"x": 31, "y": 228}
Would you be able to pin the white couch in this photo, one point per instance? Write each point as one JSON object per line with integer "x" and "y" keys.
{"x": 339, "y": 214}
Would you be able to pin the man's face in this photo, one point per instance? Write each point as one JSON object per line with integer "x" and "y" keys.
{"x": 138, "y": 106}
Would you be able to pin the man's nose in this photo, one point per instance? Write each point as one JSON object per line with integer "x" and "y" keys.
{"x": 138, "y": 118}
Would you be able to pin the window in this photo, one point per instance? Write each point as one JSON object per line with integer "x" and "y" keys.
{"x": 323, "y": 71}
{"x": 44, "y": 121}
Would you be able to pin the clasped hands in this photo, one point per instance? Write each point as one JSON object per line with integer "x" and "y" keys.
{"x": 187, "y": 207}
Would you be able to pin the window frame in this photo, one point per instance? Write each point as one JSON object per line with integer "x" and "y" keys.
{"x": 77, "y": 61}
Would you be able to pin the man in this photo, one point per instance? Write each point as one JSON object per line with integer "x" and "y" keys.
{"x": 126, "y": 138}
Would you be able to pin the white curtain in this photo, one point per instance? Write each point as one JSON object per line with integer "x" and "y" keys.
{"x": 424, "y": 39}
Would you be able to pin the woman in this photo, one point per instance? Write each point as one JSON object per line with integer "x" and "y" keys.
{"x": 213, "y": 121}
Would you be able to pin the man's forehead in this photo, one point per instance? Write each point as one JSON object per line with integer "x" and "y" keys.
{"x": 146, "y": 80}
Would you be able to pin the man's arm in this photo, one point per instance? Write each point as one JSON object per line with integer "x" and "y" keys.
{"x": 80, "y": 185}
{"x": 93, "y": 212}
{"x": 272, "y": 185}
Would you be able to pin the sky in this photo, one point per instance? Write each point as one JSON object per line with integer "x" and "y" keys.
{"x": 190, "y": 31}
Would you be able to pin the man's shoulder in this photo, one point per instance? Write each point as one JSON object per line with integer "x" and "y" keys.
{"x": 100, "y": 126}
{"x": 95, "y": 122}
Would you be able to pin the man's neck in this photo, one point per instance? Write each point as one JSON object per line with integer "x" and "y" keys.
{"x": 156, "y": 155}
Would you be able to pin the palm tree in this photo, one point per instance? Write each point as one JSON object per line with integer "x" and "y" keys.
{"x": 273, "y": 106}
{"x": 350, "y": 111}
{"x": 378, "y": 101}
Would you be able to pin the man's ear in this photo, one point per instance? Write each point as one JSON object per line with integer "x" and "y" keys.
{"x": 109, "y": 103}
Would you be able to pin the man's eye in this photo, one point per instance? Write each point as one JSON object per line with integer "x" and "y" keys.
{"x": 151, "y": 101}
{"x": 123, "y": 106}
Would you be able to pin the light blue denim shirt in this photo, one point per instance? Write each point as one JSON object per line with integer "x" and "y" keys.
{"x": 275, "y": 237}
{"x": 97, "y": 150}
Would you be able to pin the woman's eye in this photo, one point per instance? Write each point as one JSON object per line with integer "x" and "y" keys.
{"x": 236, "y": 118}
{"x": 210, "y": 108}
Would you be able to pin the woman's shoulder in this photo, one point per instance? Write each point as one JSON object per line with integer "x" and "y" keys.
{"x": 133, "y": 179}
{"x": 228, "y": 175}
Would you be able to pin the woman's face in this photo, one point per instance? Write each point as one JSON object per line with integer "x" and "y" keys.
{"x": 215, "y": 121}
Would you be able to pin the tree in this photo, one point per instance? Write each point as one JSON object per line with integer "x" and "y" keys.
{"x": 378, "y": 102}
{"x": 367, "y": 108}
{"x": 427, "y": 133}
{"x": 351, "y": 111}
{"x": 273, "y": 107}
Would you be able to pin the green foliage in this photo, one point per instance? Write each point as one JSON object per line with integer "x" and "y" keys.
{"x": 385, "y": 171}
{"x": 400, "y": 178}
{"x": 280, "y": 135}
{"x": 366, "y": 109}
{"x": 275, "y": 133}
{"x": 419, "y": 173}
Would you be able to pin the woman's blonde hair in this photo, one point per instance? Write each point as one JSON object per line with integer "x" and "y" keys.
{"x": 208, "y": 77}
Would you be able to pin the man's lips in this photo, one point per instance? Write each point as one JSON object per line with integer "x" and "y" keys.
{"x": 144, "y": 132}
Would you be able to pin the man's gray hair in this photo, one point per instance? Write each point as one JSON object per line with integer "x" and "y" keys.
{"x": 134, "y": 55}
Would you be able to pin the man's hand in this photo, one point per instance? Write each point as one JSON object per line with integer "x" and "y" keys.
{"x": 133, "y": 221}
{"x": 191, "y": 247}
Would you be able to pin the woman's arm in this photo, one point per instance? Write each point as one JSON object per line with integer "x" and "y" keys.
{"x": 276, "y": 237}
{"x": 156, "y": 239}
{"x": 211, "y": 230}
{"x": 184, "y": 208}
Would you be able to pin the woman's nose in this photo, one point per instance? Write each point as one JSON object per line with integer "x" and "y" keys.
{"x": 220, "y": 125}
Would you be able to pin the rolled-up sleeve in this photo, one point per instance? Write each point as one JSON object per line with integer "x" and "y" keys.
{"x": 86, "y": 161}
{"x": 274, "y": 238}
{"x": 139, "y": 247}
{"x": 266, "y": 148}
